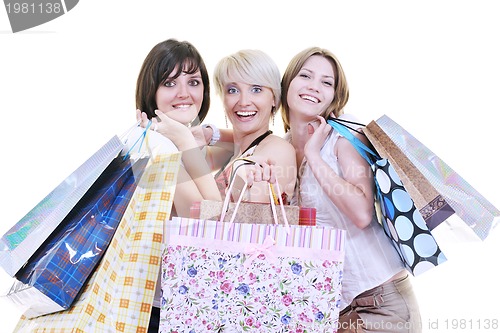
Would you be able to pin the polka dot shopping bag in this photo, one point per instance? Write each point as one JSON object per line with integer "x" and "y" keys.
{"x": 402, "y": 221}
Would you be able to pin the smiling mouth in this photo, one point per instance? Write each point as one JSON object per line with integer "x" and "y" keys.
{"x": 310, "y": 98}
{"x": 182, "y": 106}
{"x": 245, "y": 114}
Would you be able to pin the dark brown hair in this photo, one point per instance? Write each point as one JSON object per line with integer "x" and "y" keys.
{"x": 162, "y": 60}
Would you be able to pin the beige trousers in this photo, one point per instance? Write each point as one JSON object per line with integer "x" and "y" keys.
{"x": 390, "y": 307}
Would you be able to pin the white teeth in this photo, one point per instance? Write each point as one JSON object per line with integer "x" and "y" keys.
{"x": 310, "y": 98}
{"x": 246, "y": 113}
{"x": 182, "y": 106}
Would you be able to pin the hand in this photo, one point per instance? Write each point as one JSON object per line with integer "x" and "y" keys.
{"x": 318, "y": 132}
{"x": 262, "y": 171}
{"x": 200, "y": 135}
{"x": 163, "y": 124}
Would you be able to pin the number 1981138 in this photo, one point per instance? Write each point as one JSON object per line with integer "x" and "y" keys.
{"x": 32, "y": 8}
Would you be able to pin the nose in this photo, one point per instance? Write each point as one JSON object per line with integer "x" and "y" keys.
{"x": 244, "y": 98}
{"x": 182, "y": 91}
{"x": 313, "y": 85}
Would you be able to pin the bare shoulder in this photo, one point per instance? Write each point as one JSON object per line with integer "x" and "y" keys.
{"x": 274, "y": 143}
{"x": 277, "y": 149}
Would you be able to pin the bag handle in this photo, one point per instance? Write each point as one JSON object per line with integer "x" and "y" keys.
{"x": 225, "y": 205}
{"x": 362, "y": 149}
{"x": 369, "y": 155}
{"x": 144, "y": 137}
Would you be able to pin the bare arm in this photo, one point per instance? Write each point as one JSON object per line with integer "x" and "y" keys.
{"x": 195, "y": 180}
{"x": 219, "y": 154}
{"x": 275, "y": 163}
{"x": 352, "y": 193}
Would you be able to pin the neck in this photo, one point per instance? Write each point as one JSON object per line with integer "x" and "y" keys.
{"x": 243, "y": 140}
{"x": 299, "y": 136}
{"x": 298, "y": 131}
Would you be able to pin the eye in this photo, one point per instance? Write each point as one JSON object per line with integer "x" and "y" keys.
{"x": 304, "y": 75}
{"x": 232, "y": 90}
{"x": 256, "y": 89}
{"x": 169, "y": 83}
{"x": 328, "y": 83}
{"x": 194, "y": 82}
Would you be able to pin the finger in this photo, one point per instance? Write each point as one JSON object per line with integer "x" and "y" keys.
{"x": 321, "y": 120}
{"x": 323, "y": 125}
{"x": 257, "y": 173}
{"x": 272, "y": 178}
{"x": 250, "y": 178}
{"x": 266, "y": 172}
{"x": 162, "y": 115}
{"x": 154, "y": 125}
{"x": 144, "y": 119}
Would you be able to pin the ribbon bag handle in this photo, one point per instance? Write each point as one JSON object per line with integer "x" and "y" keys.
{"x": 225, "y": 205}
{"x": 142, "y": 138}
{"x": 344, "y": 130}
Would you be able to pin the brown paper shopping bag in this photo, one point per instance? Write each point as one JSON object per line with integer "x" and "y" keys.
{"x": 248, "y": 212}
{"x": 430, "y": 203}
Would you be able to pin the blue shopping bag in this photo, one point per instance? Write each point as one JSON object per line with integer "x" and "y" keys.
{"x": 21, "y": 241}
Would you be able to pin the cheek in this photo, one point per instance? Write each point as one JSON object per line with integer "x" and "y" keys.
{"x": 292, "y": 89}
{"x": 331, "y": 96}
{"x": 198, "y": 95}
{"x": 162, "y": 96}
{"x": 229, "y": 101}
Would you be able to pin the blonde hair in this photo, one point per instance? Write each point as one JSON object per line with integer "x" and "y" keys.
{"x": 250, "y": 67}
{"x": 340, "y": 83}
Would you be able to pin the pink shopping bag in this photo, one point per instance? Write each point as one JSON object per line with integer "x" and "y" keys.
{"x": 250, "y": 277}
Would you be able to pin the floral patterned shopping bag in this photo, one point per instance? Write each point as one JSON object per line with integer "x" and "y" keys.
{"x": 223, "y": 277}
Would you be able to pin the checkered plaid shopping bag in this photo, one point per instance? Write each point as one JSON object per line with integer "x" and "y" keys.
{"x": 119, "y": 295}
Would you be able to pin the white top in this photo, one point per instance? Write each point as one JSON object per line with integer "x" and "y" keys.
{"x": 155, "y": 142}
{"x": 370, "y": 259}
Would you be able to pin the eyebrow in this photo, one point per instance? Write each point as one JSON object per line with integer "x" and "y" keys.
{"x": 310, "y": 71}
{"x": 192, "y": 74}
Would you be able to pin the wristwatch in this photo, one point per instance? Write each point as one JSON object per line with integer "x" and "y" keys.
{"x": 215, "y": 134}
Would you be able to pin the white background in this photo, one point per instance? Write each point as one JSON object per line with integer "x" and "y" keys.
{"x": 433, "y": 66}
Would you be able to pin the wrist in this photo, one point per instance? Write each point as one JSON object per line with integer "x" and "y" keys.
{"x": 215, "y": 137}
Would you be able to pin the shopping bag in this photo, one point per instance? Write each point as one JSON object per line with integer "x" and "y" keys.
{"x": 250, "y": 277}
{"x": 248, "y": 212}
{"x": 432, "y": 205}
{"x": 21, "y": 241}
{"x": 475, "y": 212}
{"x": 119, "y": 295}
{"x": 55, "y": 274}
{"x": 402, "y": 221}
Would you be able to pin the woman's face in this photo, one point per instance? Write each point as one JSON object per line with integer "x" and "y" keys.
{"x": 181, "y": 98}
{"x": 248, "y": 106}
{"x": 312, "y": 91}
